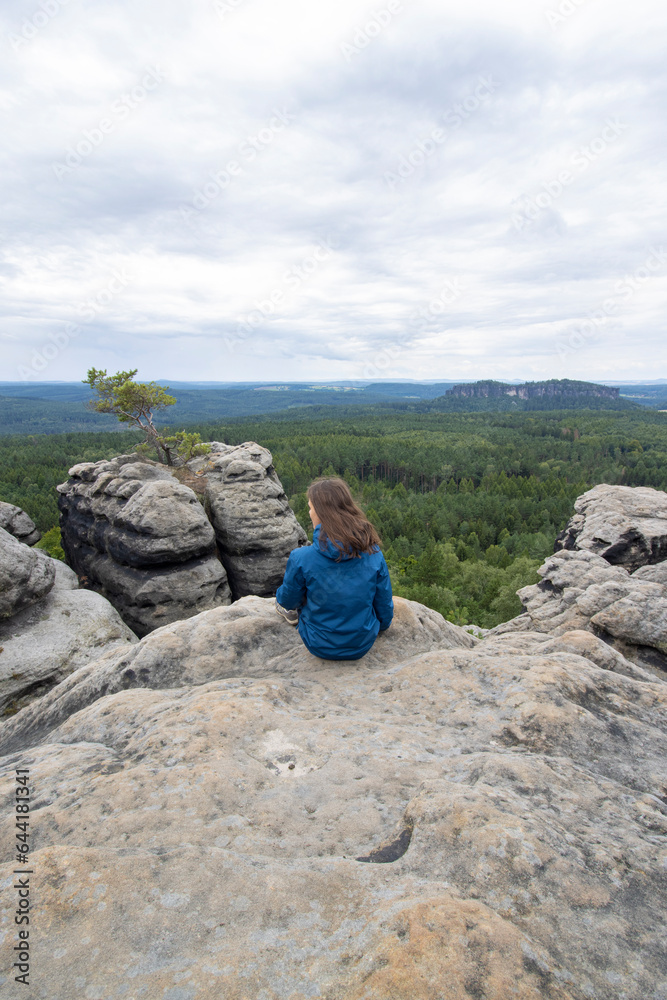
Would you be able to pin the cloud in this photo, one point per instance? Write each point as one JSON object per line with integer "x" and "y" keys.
{"x": 207, "y": 151}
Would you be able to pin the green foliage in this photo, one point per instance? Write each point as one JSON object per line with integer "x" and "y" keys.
{"x": 50, "y": 542}
{"x": 32, "y": 466}
{"x": 468, "y": 504}
{"x": 133, "y": 403}
{"x": 185, "y": 445}
{"x": 128, "y": 400}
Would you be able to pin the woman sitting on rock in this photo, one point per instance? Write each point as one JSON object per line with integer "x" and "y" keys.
{"x": 337, "y": 590}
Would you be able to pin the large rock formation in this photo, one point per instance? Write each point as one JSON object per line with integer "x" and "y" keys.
{"x": 138, "y": 532}
{"x": 217, "y": 813}
{"x": 553, "y": 388}
{"x": 606, "y": 576}
{"x": 254, "y": 524}
{"x": 48, "y": 627}
{"x": 624, "y": 524}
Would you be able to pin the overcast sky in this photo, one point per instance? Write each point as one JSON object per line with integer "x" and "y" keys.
{"x": 327, "y": 189}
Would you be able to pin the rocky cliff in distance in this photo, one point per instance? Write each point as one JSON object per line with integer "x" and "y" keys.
{"x": 554, "y": 394}
{"x": 552, "y": 388}
{"x": 139, "y": 532}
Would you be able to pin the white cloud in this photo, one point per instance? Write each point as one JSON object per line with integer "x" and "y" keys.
{"x": 258, "y": 136}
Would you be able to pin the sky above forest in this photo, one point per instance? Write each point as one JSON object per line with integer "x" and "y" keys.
{"x": 327, "y": 189}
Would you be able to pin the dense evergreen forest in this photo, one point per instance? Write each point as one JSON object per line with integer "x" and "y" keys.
{"x": 468, "y": 504}
{"x": 60, "y": 407}
{"x": 53, "y": 408}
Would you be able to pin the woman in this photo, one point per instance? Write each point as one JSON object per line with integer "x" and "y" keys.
{"x": 339, "y": 584}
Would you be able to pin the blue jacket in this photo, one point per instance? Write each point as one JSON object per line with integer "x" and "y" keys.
{"x": 342, "y": 605}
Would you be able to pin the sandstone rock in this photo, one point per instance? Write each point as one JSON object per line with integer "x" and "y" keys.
{"x": 444, "y": 818}
{"x": 639, "y": 618}
{"x": 579, "y": 642}
{"x": 627, "y": 525}
{"x": 581, "y": 590}
{"x": 597, "y": 651}
{"x": 248, "y": 639}
{"x": 51, "y": 639}
{"x": 66, "y": 578}
{"x": 137, "y": 533}
{"x": 149, "y": 597}
{"x": 654, "y": 574}
{"x": 142, "y": 539}
{"x": 553, "y": 604}
{"x": 18, "y": 523}
{"x": 522, "y": 623}
{"x": 254, "y": 524}
{"x": 26, "y": 575}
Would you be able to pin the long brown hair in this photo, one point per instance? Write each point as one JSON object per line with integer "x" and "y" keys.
{"x": 344, "y": 524}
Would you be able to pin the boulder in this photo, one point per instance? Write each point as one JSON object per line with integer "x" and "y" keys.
{"x": 254, "y": 524}
{"x": 220, "y": 814}
{"x": 626, "y": 525}
{"x": 53, "y": 627}
{"x": 26, "y": 575}
{"x": 18, "y": 523}
{"x": 54, "y": 637}
{"x": 581, "y": 590}
{"x": 141, "y": 538}
{"x": 163, "y": 544}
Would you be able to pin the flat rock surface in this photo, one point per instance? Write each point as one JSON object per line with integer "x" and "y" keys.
{"x": 247, "y": 639}
{"x": 443, "y": 819}
{"x": 627, "y": 525}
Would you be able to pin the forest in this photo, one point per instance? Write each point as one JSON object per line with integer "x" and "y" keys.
{"x": 60, "y": 407}
{"x": 467, "y": 504}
